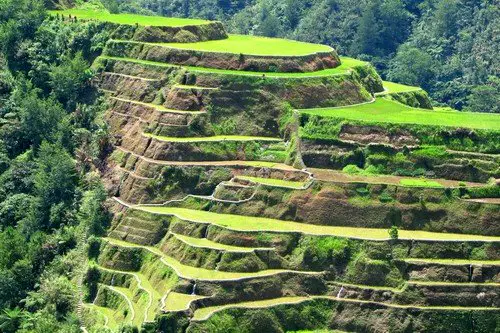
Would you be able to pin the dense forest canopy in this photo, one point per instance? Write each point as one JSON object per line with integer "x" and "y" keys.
{"x": 448, "y": 47}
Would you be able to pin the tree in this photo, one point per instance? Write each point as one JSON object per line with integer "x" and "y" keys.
{"x": 485, "y": 98}
{"x": 55, "y": 180}
{"x": 19, "y": 20}
{"x": 411, "y": 66}
{"x": 367, "y": 32}
{"x": 10, "y": 320}
{"x": 394, "y": 232}
{"x": 69, "y": 80}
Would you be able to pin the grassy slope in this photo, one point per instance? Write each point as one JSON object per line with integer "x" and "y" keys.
{"x": 215, "y": 138}
{"x": 254, "y": 45}
{"x": 250, "y": 223}
{"x": 386, "y": 111}
{"x": 273, "y": 182}
{"x": 346, "y": 65}
{"x": 130, "y": 19}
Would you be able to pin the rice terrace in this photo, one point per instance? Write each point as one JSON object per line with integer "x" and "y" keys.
{"x": 242, "y": 183}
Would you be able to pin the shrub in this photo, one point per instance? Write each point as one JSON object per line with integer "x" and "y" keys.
{"x": 393, "y": 232}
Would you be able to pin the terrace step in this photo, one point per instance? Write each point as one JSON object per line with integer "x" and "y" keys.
{"x": 206, "y": 243}
{"x": 159, "y": 108}
{"x": 453, "y": 261}
{"x": 196, "y": 273}
{"x": 344, "y": 69}
{"x": 298, "y": 57}
{"x": 256, "y": 164}
{"x": 384, "y": 110}
{"x": 218, "y": 138}
{"x": 258, "y": 224}
{"x": 338, "y": 176}
{"x": 202, "y": 314}
{"x": 274, "y": 182}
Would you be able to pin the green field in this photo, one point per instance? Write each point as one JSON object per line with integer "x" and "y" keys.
{"x": 215, "y": 138}
{"x": 251, "y": 223}
{"x": 346, "y": 65}
{"x": 130, "y": 19}
{"x": 273, "y": 182}
{"x": 415, "y": 182}
{"x": 254, "y": 45}
{"x": 384, "y": 110}
{"x": 392, "y": 87}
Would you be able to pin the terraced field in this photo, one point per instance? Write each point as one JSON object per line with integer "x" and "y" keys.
{"x": 254, "y": 45}
{"x": 231, "y": 202}
{"x": 250, "y": 223}
{"x": 387, "y": 111}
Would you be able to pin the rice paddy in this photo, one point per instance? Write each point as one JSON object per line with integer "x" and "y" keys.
{"x": 384, "y": 110}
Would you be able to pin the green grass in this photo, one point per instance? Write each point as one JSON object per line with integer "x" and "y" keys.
{"x": 346, "y": 65}
{"x": 254, "y": 45}
{"x": 392, "y": 87}
{"x": 454, "y": 261}
{"x": 384, "y": 110}
{"x": 212, "y": 138}
{"x": 256, "y": 224}
{"x": 273, "y": 182}
{"x": 420, "y": 183}
{"x": 130, "y": 19}
{"x": 179, "y": 302}
{"x": 206, "y": 243}
{"x": 195, "y": 273}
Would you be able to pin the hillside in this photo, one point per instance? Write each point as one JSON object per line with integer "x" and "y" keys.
{"x": 160, "y": 174}
{"x": 270, "y": 185}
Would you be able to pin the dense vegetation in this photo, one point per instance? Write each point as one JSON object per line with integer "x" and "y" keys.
{"x": 448, "y": 47}
{"x": 51, "y": 140}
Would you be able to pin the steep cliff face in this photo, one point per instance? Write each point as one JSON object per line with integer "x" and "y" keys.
{"x": 267, "y": 193}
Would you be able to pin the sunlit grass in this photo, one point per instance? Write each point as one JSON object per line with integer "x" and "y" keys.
{"x": 254, "y": 45}
{"x": 415, "y": 182}
{"x": 384, "y": 110}
{"x": 215, "y": 138}
{"x": 130, "y": 19}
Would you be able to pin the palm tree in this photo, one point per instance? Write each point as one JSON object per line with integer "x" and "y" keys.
{"x": 11, "y": 319}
